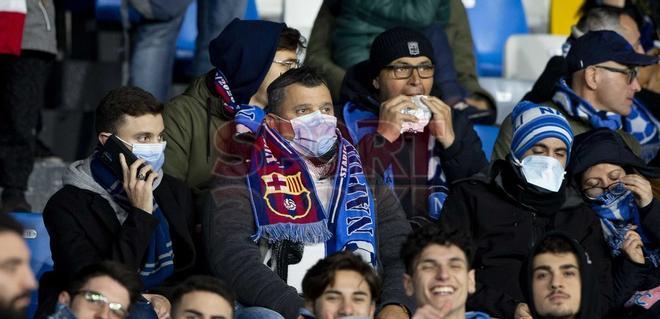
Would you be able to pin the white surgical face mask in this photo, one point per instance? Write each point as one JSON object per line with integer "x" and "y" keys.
{"x": 152, "y": 153}
{"x": 543, "y": 171}
{"x": 314, "y": 133}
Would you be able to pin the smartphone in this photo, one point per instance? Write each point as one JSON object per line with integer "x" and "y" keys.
{"x": 110, "y": 155}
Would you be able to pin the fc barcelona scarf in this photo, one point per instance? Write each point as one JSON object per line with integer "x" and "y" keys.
{"x": 286, "y": 207}
{"x": 247, "y": 115}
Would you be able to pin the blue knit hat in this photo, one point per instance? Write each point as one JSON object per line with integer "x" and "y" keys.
{"x": 533, "y": 123}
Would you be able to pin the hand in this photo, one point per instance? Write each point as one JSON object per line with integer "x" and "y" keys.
{"x": 390, "y": 117}
{"x": 430, "y": 312}
{"x": 441, "y": 125}
{"x": 522, "y": 312}
{"x": 139, "y": 192}
{"x": 632, "y": 247}
{"x": 640, "y": 187}
{"x": 161, "y": 305}
{"x": 392, "y": 312}
{"x": 478, "y": 102}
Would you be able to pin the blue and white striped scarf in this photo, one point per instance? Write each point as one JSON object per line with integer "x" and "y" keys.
{"x": 159, "y": 258}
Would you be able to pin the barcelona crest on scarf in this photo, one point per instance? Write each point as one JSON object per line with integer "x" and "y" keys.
{"x": 286, "y": 207}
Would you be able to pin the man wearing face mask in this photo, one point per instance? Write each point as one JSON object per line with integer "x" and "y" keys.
{"x": 141, "y": 219}
{"x": 306, "y": 196}
{"x": 523, "y": 197}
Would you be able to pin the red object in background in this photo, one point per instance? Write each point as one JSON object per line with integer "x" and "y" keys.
{"x": 12, "y": 20}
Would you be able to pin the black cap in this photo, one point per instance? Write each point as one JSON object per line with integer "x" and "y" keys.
{"x": 396, "y": 43}
{"x": 601, "y": 46}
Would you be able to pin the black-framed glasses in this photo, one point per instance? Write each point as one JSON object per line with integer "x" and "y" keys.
{"x": 616, "y": 188}
{"x": 631, "y": 73}
{"x": 98, "y": 300}
{"x": 288, "y": 63}
{"x": 404, "y": 71}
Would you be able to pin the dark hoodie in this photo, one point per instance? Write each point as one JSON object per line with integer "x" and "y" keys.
{"x": 195, "y": 121}
{"x": 506, "y": 216}
{"x": 589, "y": 303}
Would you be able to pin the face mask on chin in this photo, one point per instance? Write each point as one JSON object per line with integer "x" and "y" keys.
{"x": 314, "y": 134}
{"x": 542, "y": 171}
{"x": 152, "y": 153}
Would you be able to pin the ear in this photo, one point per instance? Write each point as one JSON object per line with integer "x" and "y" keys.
{"x": 372, "y": 309}
{"x": 472, "y": 285}
{"x": 309, "y": 305}
{"x": 103, "y": 137}
{"x": 64, "y": 298}
{"x": 408, "y": 285}
{"x": 271, "y": 120}
{"x": 375, "y": 82}
{"x": 591, "y": 78}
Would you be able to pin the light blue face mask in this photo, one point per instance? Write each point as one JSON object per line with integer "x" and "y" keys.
{"x": 152, "y": 153}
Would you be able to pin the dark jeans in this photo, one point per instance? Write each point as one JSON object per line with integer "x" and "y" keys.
{"x": 22, "y": 93}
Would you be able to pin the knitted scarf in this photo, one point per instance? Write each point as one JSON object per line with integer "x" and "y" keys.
{"x": 578, "y": 108}
{"x": 248, "y": 115}
{"x": 159, "y": 258}
{"x": 286, "y": 207}
{"x": 645, "y": 128}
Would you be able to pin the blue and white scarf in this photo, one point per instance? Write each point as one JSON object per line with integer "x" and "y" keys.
{"x": 361, "y": 122}
{"x": 618, "y": 213}
{"x": 159, "y": 258}
{"x": 285, "y": 203}
{"x": 640, "y": 123}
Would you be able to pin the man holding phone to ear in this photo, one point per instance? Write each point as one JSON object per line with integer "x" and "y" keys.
{"x": 118, "y": 205}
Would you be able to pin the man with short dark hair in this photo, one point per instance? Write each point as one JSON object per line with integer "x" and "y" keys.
{"x": 439, "y": 272}
{"x": 341, "y": 285}
{"x": 202, "y": 297}
{"x": 560, "y": 280}
{"x": 133, "y": 214}
{"x": 104, "y": 290}
{"x": 418, "y": 144}
{"x": 16, "y": 277}
{"x": 306, "y": 196}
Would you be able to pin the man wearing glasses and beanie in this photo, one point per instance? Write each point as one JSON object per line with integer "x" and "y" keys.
{"x": 600, "y": 91}
{"x": 415, "y": 141}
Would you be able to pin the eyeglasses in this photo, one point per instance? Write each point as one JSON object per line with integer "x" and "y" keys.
{"x": 289, "y": 64}
{"x": 98, "y": 300}
{"x": 404, "y": 71}
{"x": 631, "y": 73}
{"x": 616, "y": 188}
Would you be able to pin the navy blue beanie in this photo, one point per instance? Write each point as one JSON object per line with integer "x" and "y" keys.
{"x": 533, "y": 123}
{"x": 244, "y": 52}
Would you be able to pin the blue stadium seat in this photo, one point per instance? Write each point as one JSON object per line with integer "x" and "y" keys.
{"x": 185, "y": 42}
{"x": 491, "y": 23}
{"x": 109, "y": 11}
{"x": 36, "y": 236}
{"x": 251, "y": 12}
{"x": 488, "y": 135}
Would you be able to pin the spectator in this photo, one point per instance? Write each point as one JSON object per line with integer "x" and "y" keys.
{"x": 419, "y": 166}
{"x": 248, "y": 56}
{"x": 103, "y": 290}
{"x": 560, "y": 279}
{"x": 614, "y": 182}
{"x": 439, "y": 272}
{"x": 523, "y": 197}
{"x": 202, "y": 297}
{"x": 342, "y": 34}
{"x": 16, "y": 277}
{"x": 142, "y": 219}
{"x": 341, "y": 285}
{"x": 306, "y": 196}
{"x": 641, "y": 123}
{"x": 23, "y": 76}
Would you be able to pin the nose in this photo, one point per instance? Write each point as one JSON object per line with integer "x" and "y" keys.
{"x": 442, "y": 273}
{"x": 346, "y": 308}
{"x": 635, "y": 85}
{"x": 103, "y": 312}
{"x": 556, "y": 282}
{"x": 415, "y": 79}
{"x": 29, "y": 282}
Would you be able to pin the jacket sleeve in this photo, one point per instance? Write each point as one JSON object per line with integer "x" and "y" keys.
{"x": 228, "y": 226}
{"x": 70, "y": 246}
{"x": 503, "y": 142}
{"x": 650, "y": 216}
{"x": 319, "y": 53}
{"x": 465, "y": 156}
{"x": 629, "y": 277}
{"x": 392, "y": 228}
{"x": 595, "y": 245}
{"x": 178, "y": 126}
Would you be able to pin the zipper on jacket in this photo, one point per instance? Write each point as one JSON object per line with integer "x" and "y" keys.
{"x": 45, "y": 14}
{"x": 533, "y": 241}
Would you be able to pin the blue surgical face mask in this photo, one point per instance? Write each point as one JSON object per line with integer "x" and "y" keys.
{"x": 152, "y": 153}
{"x": 543, "y": 171}
{"x": 62, "y": 311}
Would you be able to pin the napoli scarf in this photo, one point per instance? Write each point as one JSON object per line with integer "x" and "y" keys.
{"x": 286, "y": 207}
{"x": 617, "y": 211}
{"x": 159, "y": 258}
{"x": 248, "y": 115}
{"x": 640, "y": 123}
{"x": 361, "y": 122}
